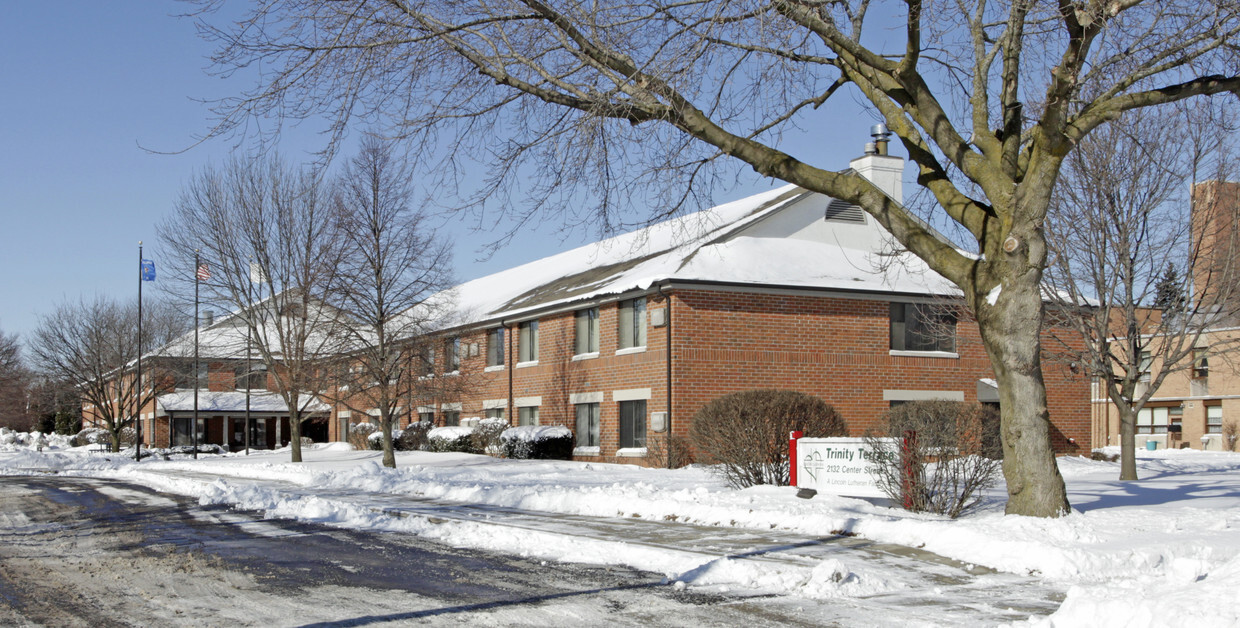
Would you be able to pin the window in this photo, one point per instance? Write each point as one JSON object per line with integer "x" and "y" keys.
{"x": 428, "y": 362}
{"x": 1153, "y": 420}
{"x": 527, "y": 341}
{"x": 587, "y": 424}
{"x": 254, "y": 379}
{"x": 495, "y": 347}
{"x": 632, "y": 424}
{"x": 202, "y": 378}
{"x": 452, "y": 354}
{"x": 1214, "y": 419}
{"x": 587, "y": 331}
{"x": 451, "y": 417}
{"x": 1201, "y": 364}
{"x": 1143, "y": 367}
{"x": 494, "y": 413}
{"x": 527, "y": 415}
{"x": 426, "y": 417}
{"x": 917, "y": 327}
{"x": 632, "y": 318}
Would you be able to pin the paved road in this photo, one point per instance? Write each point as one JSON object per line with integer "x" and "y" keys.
{"x": 88, "y": 552}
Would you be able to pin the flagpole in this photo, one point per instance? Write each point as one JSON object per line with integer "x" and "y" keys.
{"x": 138, "y": 419}
{"x": 197, "y": 383}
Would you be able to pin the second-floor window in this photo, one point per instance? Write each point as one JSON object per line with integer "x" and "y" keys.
{"x": 253, "y": 379}
{"x": 1144, "y": 367}
{"x": 202, "y": 378}
{"x": 495, "y": 347}
{"x": 452, "y": 354}
{"x": 632, "y": 317}
{"x": 527, "y": 341}
{"x": 1201, "y": 364}
{"x": 586, "y": 339}
{"x": 918, "y": 327}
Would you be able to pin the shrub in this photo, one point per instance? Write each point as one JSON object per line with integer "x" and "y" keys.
{"x": 358, "y": 434}
{"x": 537, "y": 442}
{"x": 486, "y": 435}
{"x": 673, "y": 451}
{"x": 955, "y": 455}
{"x": 413, "y": 438}
{"x": 453, "y": 438}
{"x": 746, "y": 433}
{"x": 128, "y": 437}
{"x": 90, "y": 436}
{"x": 1231, "y": 433}
{"x": 68, "y": 423}
{"x": 306, "y": 441}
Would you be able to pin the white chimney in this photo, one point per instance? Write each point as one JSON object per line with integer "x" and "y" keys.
{"x": 883, "y": 170}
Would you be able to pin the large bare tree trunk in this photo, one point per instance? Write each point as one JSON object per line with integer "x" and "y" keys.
{"x": 1010, "y": 332}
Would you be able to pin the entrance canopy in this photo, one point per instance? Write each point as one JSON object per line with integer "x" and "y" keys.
{"x": 232, "y": 403}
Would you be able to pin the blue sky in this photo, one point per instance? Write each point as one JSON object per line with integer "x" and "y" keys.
{"x": 87, "y": 86}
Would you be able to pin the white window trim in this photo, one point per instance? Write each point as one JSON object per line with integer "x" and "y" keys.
{"x": 452, "y": 373}
{"x": 631, "y": 452}
{"x": 425, "y": 409}
{"x": 494, "y": 404}
{"x": 344, "y": 414}
{"x": 924, "y": 354}
{"x": 527, "y": 402}
{"x": 922, "y": 395}
{"x": 450, "y": 407}
{"x": 586, "y": 451}
{"x": 585, "y": 356}
{"x": 590, "y": 397}
{"x": 522, "y": 365}
{"x": 492, "y": 369}
{"x": 630, "y": 350}
{"x": 631, "y": 394}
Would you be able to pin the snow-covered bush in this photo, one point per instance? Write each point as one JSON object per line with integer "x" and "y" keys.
{"x": 375, "y": 440}
{"x": 746, "y": 433}
{"x": 451, "y": 438}
{"x": 541, "y": 442}
{"x": 90, "y": 436}
{"x": 413, "y": 438}
{"x": 953, "y": 457}
{"x": 486, "y": 435}
{"x": 358, "y": 434}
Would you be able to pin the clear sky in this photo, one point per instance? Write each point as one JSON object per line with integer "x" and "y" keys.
{"x": 86, "y": 86}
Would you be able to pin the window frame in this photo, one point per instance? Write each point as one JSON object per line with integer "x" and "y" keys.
{"x": 451, "y": 418}
{"x": 905, "y": 322}
{"x": 527, "y": 342}
{"x": 495, "y": 347}
{"x": 1148, "y": 420}
{"x": 1213, "y": 426}
{"x": 636, "y": 429}
{"x": 523, "y": 415}
{"x": 452, "y": 354}
{"x": 1201, "y": 363}
{"x": 586, "y": 320}
{"x": 591, "y": 430}
{"x": 631, "y": 323}
{"x": 493, "y": 413}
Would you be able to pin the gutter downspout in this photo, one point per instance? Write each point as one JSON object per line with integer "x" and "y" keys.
{"x": 667, "y": 303}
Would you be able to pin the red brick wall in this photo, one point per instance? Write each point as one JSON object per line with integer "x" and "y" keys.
{"x": 724, "y": 341}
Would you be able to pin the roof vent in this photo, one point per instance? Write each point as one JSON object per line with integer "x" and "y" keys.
{"x": 840, "y": 211}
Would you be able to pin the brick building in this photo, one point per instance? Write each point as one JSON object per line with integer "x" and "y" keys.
{"x": 623, "y": 340}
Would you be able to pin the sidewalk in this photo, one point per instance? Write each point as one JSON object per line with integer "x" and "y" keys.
{"x": 850, "y": 570}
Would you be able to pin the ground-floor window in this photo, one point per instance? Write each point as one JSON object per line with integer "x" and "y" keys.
{"x": 632, "y": 424}
{"x": 527, "y": 415}
{"x": 426, "y": 417}
{"x": 1153, "y": 420}
{"x": 182, "y": 437}
{"x": 494, "y": 413}
{"x": 587, "y": 424}
{"x": 1214, "y": 419}
{"x": 451, "y": 417}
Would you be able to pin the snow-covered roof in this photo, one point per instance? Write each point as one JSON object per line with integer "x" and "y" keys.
{"x": 780, "y": 238}
{"x": 232, "y": 402}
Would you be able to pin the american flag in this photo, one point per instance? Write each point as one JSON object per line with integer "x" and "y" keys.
{"x": 203, "y": 273}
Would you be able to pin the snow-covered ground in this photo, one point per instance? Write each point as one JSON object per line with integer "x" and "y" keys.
{"x": 1163, "y": 551}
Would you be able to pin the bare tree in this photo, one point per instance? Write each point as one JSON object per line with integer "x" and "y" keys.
{"x": 602, "y": 101}
{"x": 272, "y": 243}
{"x": 94, "y": 344}
{"x": 394, "y": 275}
{"x": 1121, "y": 238}
{"x": 15, "y": 384}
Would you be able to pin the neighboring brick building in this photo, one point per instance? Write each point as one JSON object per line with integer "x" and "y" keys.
{"x": 787, "y": 289}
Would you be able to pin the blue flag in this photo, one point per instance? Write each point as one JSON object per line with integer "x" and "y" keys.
{"x": 148, "y": 270}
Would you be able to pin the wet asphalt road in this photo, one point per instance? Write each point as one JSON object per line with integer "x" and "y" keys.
{"x": 93, "y": 552}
